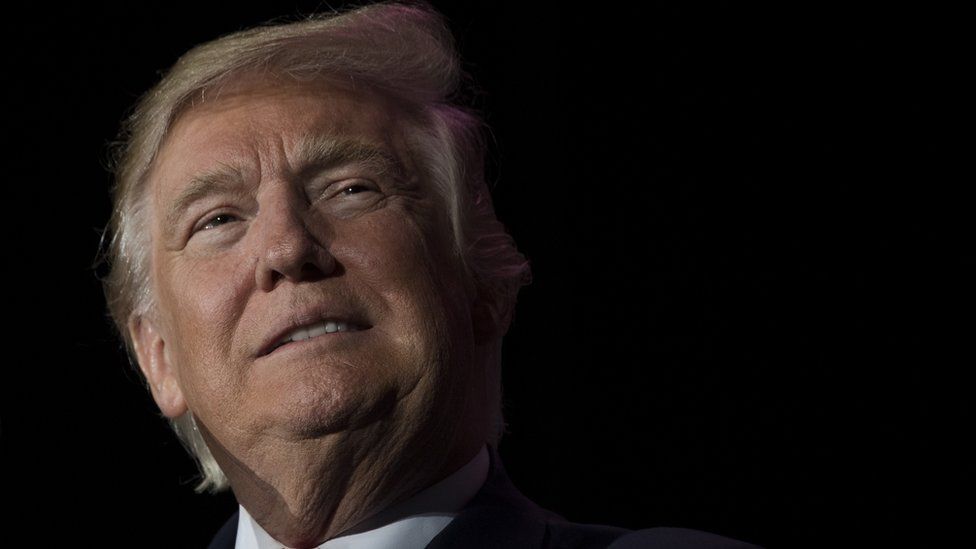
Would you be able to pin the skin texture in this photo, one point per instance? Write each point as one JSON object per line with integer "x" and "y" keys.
{"x": 319, "y": 435}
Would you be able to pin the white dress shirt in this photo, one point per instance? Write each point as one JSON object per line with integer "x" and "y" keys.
{"x": 407, "y": 525}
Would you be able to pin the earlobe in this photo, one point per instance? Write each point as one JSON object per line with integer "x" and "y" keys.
{"x": 157, "y": 366}
{"x": 487, "y": 324}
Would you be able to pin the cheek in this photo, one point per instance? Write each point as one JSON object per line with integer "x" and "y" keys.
{"x": 203, "y": 321}
{"x": 412, "y": 275}
{"x": 392, "y": 258}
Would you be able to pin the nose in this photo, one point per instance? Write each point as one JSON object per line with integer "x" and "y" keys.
{"x": 287, "y": 250}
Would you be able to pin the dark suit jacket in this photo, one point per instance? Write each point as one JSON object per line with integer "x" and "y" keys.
{"x": 499, "y": 516}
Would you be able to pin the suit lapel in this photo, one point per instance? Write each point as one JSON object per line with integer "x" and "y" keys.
{"x": 226, "y": 537}
{"x": 498, "y": 516}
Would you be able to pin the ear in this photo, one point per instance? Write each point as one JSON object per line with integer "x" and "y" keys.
{"x": 488, "y": 322}
{"x": 156, "y": 365}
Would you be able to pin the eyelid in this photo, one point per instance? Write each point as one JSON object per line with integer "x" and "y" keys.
{"x": 205, "y": 220}
{"x": 339, "y": 186}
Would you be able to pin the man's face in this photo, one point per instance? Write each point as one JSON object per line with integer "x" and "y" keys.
{"x": 275, "y": 210}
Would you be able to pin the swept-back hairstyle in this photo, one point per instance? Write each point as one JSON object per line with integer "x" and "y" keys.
{"x": 404, "y": 50}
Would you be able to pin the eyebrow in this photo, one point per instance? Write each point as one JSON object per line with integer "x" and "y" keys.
{"x": 224, "y": 180}
{"x": 321, "y": 152}
{"x": 316, "y": 153}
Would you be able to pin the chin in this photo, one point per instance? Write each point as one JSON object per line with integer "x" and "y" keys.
{"x": 316, "y": 411}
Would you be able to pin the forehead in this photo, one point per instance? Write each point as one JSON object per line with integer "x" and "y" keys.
{"x": 263, "y": 123}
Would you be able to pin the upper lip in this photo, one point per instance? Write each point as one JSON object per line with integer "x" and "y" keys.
{"x": 307, "y": 317}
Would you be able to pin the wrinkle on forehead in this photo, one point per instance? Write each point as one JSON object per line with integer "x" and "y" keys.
{"x": 375, "y": 119}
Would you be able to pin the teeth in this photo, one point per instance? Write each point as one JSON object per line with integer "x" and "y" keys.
{"x": 315, "y": 330}
{"x": 318, "y": 330}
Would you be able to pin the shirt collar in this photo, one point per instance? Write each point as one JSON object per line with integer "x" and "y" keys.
{"x": 409, "y": 524}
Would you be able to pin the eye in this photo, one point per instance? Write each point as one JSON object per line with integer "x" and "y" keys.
{"x": 217, "y": 220}
{"x": 349, "y": 196}
{"x": 355, "y": 188}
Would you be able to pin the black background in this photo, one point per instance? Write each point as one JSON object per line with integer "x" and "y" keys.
{"x": 753, "y": 268}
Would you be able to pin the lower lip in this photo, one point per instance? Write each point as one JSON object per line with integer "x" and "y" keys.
{"x": 326, "y": 339}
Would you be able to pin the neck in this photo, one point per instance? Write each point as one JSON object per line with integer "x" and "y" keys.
{"x": 306, "y": 492}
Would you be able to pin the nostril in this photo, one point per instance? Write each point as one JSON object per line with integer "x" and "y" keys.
{"x": 317, "y": 265}
{"x": 311, "y": 271}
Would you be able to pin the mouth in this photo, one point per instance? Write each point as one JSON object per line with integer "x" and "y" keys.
{"x": 317, "y": 329}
